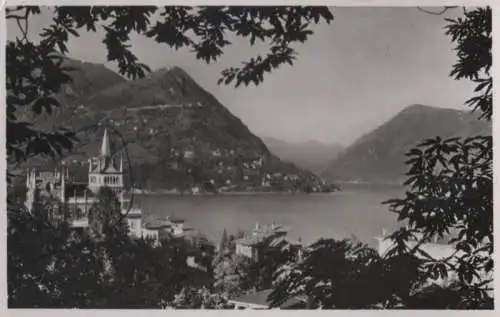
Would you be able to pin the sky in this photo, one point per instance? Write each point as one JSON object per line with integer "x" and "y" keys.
{"x": 351, "y": 75}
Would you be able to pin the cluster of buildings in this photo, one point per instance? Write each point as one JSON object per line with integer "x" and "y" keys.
{"x": 105, "y": 170}
{"x": 249, "y": 246}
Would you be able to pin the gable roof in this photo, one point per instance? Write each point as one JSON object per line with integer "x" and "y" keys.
{"x": 175, "y": 219}
{"x": 110, "y": 170}
{"x": 109, "y": 166}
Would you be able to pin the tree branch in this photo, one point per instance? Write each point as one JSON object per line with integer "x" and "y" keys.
{"x": 439, "y": 12}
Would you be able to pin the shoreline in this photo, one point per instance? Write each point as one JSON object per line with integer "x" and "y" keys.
{"x": 177, "y": 193}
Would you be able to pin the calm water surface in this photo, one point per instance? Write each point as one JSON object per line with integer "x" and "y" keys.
{"x": 355, "y": 210}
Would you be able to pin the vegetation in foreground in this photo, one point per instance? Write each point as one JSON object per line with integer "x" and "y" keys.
{"x": 449, "y": 187}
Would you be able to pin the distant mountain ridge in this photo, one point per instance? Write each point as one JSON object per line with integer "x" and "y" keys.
{"x": 311, "y": 155}
{"x": 178, "y": 135}
{"x": 378, "y": 156}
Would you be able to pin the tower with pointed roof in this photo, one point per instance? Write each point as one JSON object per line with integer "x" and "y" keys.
{"x": 104, "y": 170}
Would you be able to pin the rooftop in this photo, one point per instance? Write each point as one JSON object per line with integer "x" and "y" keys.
{"x": 251, "y": 241}
{"x": 269, "y": 229}
{"x": 155, "y": 226}
{"x": 175, "y": 219}
{"x": 260, "y": 299}
{"x": 260, "y": 233}
{"x": 159, "y": 223}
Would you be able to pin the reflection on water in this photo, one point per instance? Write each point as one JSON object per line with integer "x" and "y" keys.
{"x": 357, "y": 210}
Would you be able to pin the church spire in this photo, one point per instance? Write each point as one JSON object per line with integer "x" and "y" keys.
{"x": 105, "y": 147}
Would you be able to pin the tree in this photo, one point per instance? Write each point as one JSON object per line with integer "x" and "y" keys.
{"x": 230, "y": 274}
{"x": 449, "y": 192}
{"x": 145, "y": 276}
{"x": 105, "y": 216}
{"x": 450, "y": 182}
{"x": 193, "y": 298}
{"x": 223, "y": 249}
{"x": 35, "y": 75}
{"x": 472, "y": 36}
{"x": 42, "y": 271}
{"x": 334, "y": 274}
{"x": 273, "y": 252}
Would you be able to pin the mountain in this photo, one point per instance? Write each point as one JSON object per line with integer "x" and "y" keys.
{"x": 87, "y": 79}
{"x": 378, "y": 156}
{"x": 176, "y": 135}
{"x": 312, "y": 155}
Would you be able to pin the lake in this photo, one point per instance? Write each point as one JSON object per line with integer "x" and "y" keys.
{"x": 357, "y": 210}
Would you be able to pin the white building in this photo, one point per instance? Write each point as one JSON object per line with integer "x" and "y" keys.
{"x": 438, "y": 249}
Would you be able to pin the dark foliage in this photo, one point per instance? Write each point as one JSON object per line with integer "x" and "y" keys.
{"x": 333, "y": 274}
{"x": 472, "y": 36}
{"x": 450, "y": 184}
{"x": 53, "y": 266}
{"x": 449, "y": 181}
{"x": 449, "y": 195}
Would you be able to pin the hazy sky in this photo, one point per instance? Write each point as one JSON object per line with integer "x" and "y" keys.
{"x": 350, "y": 77}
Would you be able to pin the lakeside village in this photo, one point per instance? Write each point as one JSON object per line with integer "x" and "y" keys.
{"x": 105, "y": 170}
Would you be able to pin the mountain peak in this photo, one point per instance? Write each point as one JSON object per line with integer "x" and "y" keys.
{"x": 379, "y": 155}
{"x": 417, "y": 108}
{"x": 167, "y": 86}
{"x": 174, "y": 71}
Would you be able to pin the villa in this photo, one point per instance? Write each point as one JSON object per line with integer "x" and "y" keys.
{"x": 105, "y": 170}
{"x": 157, "y": 228}
{"x": 251, "y": 245}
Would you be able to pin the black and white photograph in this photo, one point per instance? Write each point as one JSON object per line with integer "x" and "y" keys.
{"x": 248, "y": 157}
